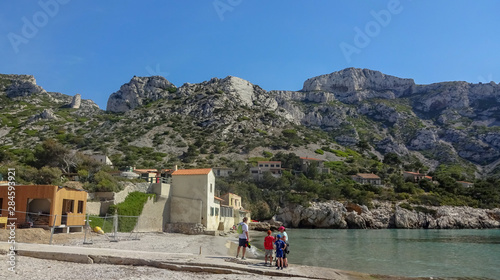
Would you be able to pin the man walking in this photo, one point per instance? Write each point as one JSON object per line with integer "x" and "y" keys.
{"x": 243, "y": 237}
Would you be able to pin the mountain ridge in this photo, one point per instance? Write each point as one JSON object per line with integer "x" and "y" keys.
{"x": 449, "y": 122}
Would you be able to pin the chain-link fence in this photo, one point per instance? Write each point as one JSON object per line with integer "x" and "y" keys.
{"x": 112, "y": 227}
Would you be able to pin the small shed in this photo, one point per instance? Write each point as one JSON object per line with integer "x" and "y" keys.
{"x": 39, "y": 205}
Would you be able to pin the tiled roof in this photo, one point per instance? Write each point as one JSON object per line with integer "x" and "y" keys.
{"x": 414, "y": 173}
{"x": 218, "y": 198}
{"x": 203, "y": 171}
{"x": 232, "y": 194}
{"x": 146, "y": 170}
{"x": 368, "y": 176}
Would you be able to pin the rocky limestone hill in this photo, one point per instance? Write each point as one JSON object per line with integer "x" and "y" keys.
{"x": 139, "y": 91}
{"x": 333, "y": 214}
{"x": 449, "y": 122}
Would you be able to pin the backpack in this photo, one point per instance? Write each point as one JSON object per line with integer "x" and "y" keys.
{"x": 240, "y": 228}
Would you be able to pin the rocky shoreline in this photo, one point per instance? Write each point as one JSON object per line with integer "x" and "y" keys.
{"x": 337, "y": 215}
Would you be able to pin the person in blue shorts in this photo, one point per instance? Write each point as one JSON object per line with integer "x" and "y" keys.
{"x": 280, "y": 246}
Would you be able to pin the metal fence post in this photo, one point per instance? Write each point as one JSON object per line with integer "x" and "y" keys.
{"x": 52, "y": 229}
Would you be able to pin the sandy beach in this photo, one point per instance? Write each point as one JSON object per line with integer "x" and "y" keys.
{"x": 217, "y": 250}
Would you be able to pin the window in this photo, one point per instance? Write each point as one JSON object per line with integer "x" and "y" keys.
{"x": 272, "y": 165}
{"x": 210, "y": 187}
{"x": 261, "y": 165}
{"x": 216, "y": 211}
{"x": 277, "y": 165}
{"x": 212, "y": 210}
{"x": 68, "y": 206}
{"x": 255, "y": 171}
{"x": 80, "y": 206}
{"x": 267, "y": 165}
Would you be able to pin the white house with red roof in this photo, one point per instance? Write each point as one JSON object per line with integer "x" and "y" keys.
{"x": 193, "y": 198}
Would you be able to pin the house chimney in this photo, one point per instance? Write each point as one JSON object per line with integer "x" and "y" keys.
{"x": 175, "y": 167}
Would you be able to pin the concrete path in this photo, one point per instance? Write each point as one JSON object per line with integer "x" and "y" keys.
{"x": 179, "y": 262}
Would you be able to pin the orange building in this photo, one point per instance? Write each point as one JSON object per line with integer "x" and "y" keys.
{"x": 43, "y": 202}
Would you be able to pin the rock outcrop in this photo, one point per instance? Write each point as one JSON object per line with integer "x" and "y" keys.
{"x": 139, "y": 91}
{"x": 76, "y": 101}
{"x": 19, "y": 85}
{"x": 333, "y": 214}
{"x": 353, "y": 84}
{"x": 46, "y": 114}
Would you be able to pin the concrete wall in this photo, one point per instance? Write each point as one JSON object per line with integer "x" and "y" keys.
{"x": 152, "y": 218}
{"x": 99, "y": 208}
{"x": 93, "y": 208}
{"x": 185, "y": 210}
{"x": 161, "y": 189}
{"x": 226, "y": 223}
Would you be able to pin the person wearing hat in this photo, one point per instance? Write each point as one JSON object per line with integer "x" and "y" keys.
{"x": 280, "y": 248}
{"x": 268, "y": 246}
{"x": 284, "y": 235}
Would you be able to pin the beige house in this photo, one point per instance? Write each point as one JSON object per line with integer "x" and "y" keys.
{"x": 274, "y": 167}
{"x": 413, "y": 176}
{"x": 102, "y": 159}
{"x": 189, "y": 199}
{"x": 305, "y": 162}
{"x": 465, "y": 184}
{"x": 232, "y": 200}
{"x": 193, "y": 199}
{"x": 223, "y": 171}
{"x": 367, "y": 178}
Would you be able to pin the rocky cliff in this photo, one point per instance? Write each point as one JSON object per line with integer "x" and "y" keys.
{"x": 333, "y": 214}
{"x": 139, "y": 91}
{"x": 449, "y": 122}
{"x": 19, "y": 85}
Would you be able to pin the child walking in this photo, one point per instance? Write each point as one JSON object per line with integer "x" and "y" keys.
{"x": 268, "y": 246}
{"x": 280, "y": 247}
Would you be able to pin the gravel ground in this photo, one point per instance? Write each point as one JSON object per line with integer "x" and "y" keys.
{"x": 169, "y": 243}
{"x": 38, "y": 269}
{"x": 32, "y": 268}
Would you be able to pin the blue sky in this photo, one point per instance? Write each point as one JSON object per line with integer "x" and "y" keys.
{"x": 93, "y": 47}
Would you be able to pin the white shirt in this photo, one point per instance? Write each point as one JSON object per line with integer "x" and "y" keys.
{"x": 286, "y": 236}
{"x": 244, "y": 227}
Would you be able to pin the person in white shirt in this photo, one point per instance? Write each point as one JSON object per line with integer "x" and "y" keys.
{"x": 285, "y": 237}
{"x": 243, "y": 239}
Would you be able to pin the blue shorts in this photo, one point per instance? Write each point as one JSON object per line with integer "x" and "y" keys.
{"x": 242, "y": 242}
{"x": 279, "y": 253}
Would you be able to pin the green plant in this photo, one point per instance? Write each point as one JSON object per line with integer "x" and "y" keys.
{"x": 319, "y": 151}
{"x": 132, "y": 206}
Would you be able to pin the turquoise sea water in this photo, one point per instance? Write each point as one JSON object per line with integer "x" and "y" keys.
{"x": 402, "y": 252}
